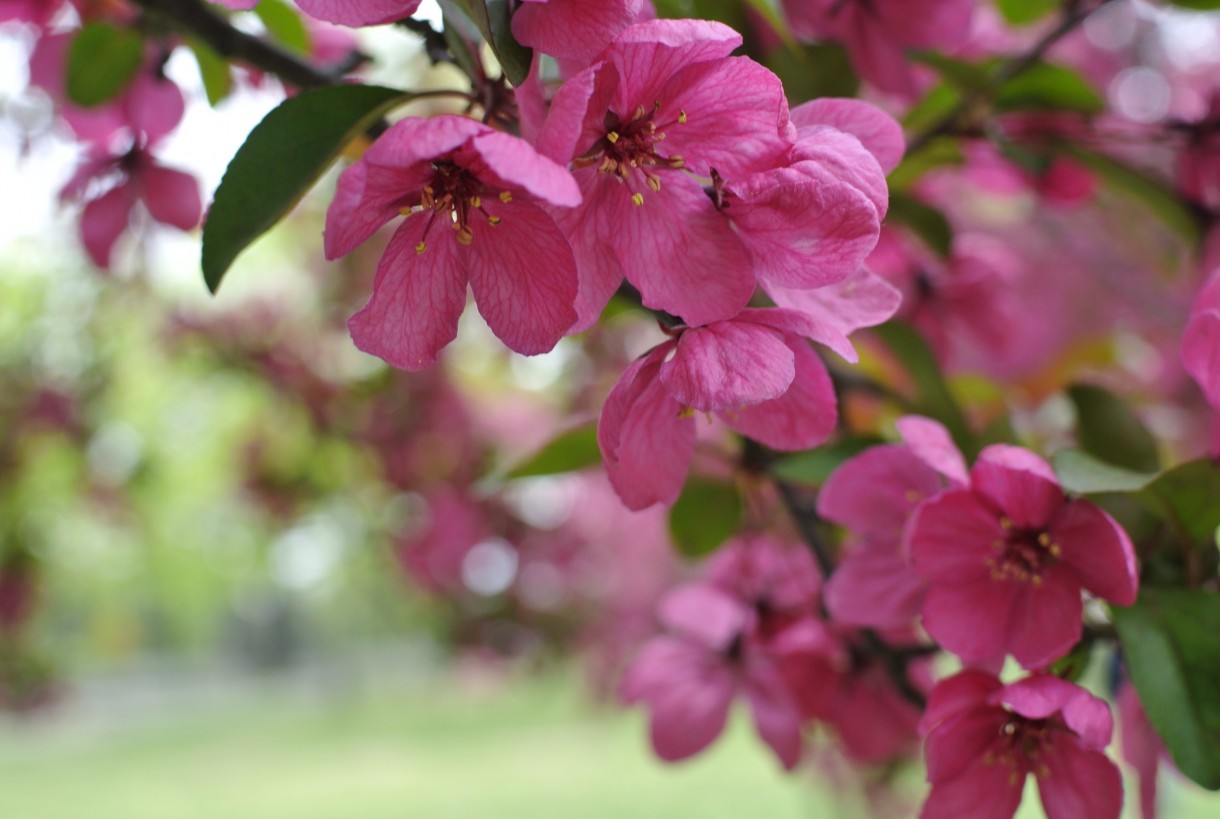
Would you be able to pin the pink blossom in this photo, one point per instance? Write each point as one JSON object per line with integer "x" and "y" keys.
{"x": 664, "y": 101}
{"x": 876, "y": 32}
{"x": 38, "y": 13}
{"x": 1006, "y": 558}
{"x": 983, "y": 738}
{"x": 350, "y": 12}
{"x": 1201, "y": 341}
{"x": 1141, "y": 747}
{"x": 572, "y": 29}
{"x": 756, "y": 373}
{"x": 472, "y": 197}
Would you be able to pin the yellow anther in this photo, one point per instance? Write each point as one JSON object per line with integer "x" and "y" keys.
{"x": 608, "y": 166}
{"x": 1036, "y": 580}
{"x": 1044, "y": 540}
{"x": 506, "y": 197}
{"x": 681, "y": 116}
{"x": 1055, "y": 549}
{"x": 476, "y": 202}
{"x": 464, "y": 235}
{"x": 686, "y": 412}
{"x": 421, "y": 247}
{"x": 639, "y": 112}
{"x": 493, "y": 220}
{"x": 637, "y": 198}
{"x": 612, "y": 137}
{"x": 677, "y": 162}
{"x": 655, "y": 184}
{"x": 1005, "y": 523}
{"x": 406, "y": 211}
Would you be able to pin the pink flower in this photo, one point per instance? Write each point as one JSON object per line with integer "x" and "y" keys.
{"x": 348, "y": 12}
{"x": 983, "y": 738}
{"x": 755, "y": 372}
{"x": 572, "y": 29}
{"x": 664, "y": 101}
{"x": 1201, "y": 341}
{"x": 1006, "y": 558}
{"x": 876, "y": 32}
{"x": 472, "y": 197}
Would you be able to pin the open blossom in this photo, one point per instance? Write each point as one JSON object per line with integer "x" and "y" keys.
{"x": 755, "y": 372}
{"x": 572, "y": 29}
{"x": 876, "y": 32}
{"x": 1006, "y": 558}
{"x": 983, "y": 738}
{"x": 471, "y": 197}
{"x": 664, "y": 105}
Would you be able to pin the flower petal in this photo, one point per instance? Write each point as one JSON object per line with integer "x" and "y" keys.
{"x": 171, "y": 196}
{"x": 511, "y": 162}
{"x": 727, "y": 365}
{"x": 863, "y": 299}
{"x": 1018, "y": 484}
{"x": 973, "y": 620}
{"x": 802, "y": 417}
{"x": 703, "y": 614}
{"x": 104, "y": 219}
{"x": 877, "y": 131}
{"x": 951, "y": 537}
{"x": 931, "y": 442}
{"x": 1098, "y": 549}
{"x": 874, "y": 587}
{"x": 874, "y": 493}
{"x": 359, "y": 12}
{"x": 1077, "y": 783}
{"x": 572, "y": 29}
{"x": 1049, "y": 622}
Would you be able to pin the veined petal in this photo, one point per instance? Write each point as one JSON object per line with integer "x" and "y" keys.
{"x": 365, "y": 199}
{"x": 863, "y": 299}
{"x": 359, "y": 12}
{"x": 510, "y": 162}
{"x": 877, "y": 131}
{"x": 416, "y": 302}
{"x": 577, "y": 116}
{"x": 572, "y": 29}
{"x": 827, "y": 155}
{"x": 648, "y": 54}
{"x": 523, "y": 276}
{"x": 802, "y": 417}
{"x": 727, "y": 365}
{"x": 1099, "y": 551}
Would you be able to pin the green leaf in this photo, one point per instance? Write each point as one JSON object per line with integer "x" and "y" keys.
{"x": 1048, "y": 87}
{"x": 214, "y": 70}
{"x": 964, "y": 76}
{"x": 101, "y": 62}
{"x": 1189, "y": 497}
{"x": 280, "y": 161}
{"x": 572, "y": 450}
{"x": 707, "y": 514}
{"x": 812, "y": 71}
{"x": 1082, "y": 474}
{"x": 1172, "y": 647}
{"x": 284, "y": 25}
{"x": 812, "y": 468}
{"x": 1108, "y": 429}
{"x": 493, "y": 19}
{"x": 1197, "y": 5}
{"x": 926, "y": 221}
{"x": 1160, "y": 198}
{"x": 1024, "y": 12}
{"x": 935, "y": 106}
{"x": 936, "y": 154}
{"x": 932, "y": 395}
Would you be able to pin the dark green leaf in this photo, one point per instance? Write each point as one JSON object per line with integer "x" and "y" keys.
{"x": 1047, "y": 87}
{"x": 932, "y": 395}
{"x": 935, "y": 106}
{"x": 1172, "y": 646}
{"x": 1107, "y": 429}
{"x": 214, "y": 70}
{"x": 1082, "y": 474}
{"x": 284, "y": 24}
{"x": 811, "y": 71}
{"x": 707, "y": 514}
{"x": 280, "y": 161}
{"x": 101, "y": 61}
{"x": 936, "y": 154}
{"x": 492, "y": 17}
{"x": 573, "y": 450}
{"x": 1024, "y": 12}
{"x": 814, "y": 467}
{"x": 926, "y": 221}
{"x": 1159, "y": 197}
{"x": 1188, "y": 496}
{"x": 962, "y": 75}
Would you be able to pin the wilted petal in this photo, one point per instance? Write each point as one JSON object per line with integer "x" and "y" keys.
{"x": 416, "y": 301}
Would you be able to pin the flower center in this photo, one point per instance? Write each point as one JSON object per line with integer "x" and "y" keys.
{"x": 454, "y": 195}
{"x": 1022, "y": 554}
{"x": 631, "y": 145}
{"x": 1019, "y": 746}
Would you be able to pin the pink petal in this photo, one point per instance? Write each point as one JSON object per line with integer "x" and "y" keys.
{"x": 1142, "y": 749}
{"x": 728, "y": 365}
{"x": 956, "y": 744}
{"x": 104, "y": 219}
{"x": 1076, "y": 783}
{"x": 677, "y": 249}
{"x": 417, "y": 299}
{"x": 1019, "y": 485}
{"x": 1201, "y": 352}
{"x": 877, "y": 131}
{"x": 1049, "y": 621}
{"x": 932, "y": 443}
{"x": 153, "y": 105}
{"x": 802, "y": 417}
{"x": 863, "y": 299}
{"x": 523, "y": 276}
{"x": 1098, "y": 549}
{"x": 874, "y": 723}
{"x": 1040, "y": 696}
{"x": 874, "y": 493}
{"x": 366, "y": 198}
{"x": 172, "y": 197}
{"x": 646, "y": 439}
{"x": 981, "y": 791}
{"x": 359, "y": 12}
{"x": 879, "y": 58}
{"x": 951, "y": 537}
{"x": 510, "y": 162}
{"x": 955, "y": 696}
{"x": 775, "y": 712}
{"x": 828, "y": 155}
{"x": 572, "y": 29}
{"x": 874, "y": 587}
{"x": 577, "y": 117}
{"x": 803, "y": 233}
{"x": 973, "y": 620}
{"x": 598, "y": 272}
{"x": 648, "y": 54}
{"x": 703, "y": 614}
{"x": 691, "y": 712}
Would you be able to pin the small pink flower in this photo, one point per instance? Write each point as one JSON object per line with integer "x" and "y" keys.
{"x": 472, "y": 199}
{"x": 1006, "y": 558}
{"x": 572, "y": 29}
{"x": 755, "y": 372}
{"x": 983, "y": 738}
